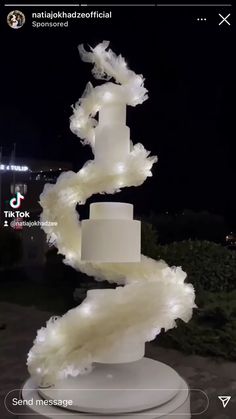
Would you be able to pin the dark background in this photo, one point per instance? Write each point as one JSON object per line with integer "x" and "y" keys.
{"x": 187, "y": 121}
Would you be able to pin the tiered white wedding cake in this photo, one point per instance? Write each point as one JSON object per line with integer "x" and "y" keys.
{"x": 94, "y": 354}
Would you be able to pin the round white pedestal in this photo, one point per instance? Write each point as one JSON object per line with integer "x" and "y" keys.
{"x": 144, "y": 389}
{"x": 118, "y": 388}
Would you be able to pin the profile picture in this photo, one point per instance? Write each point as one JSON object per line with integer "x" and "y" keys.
{"x": 16, "y": 19}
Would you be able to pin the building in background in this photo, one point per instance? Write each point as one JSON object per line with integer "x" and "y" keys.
{"x": 230, "y": 240}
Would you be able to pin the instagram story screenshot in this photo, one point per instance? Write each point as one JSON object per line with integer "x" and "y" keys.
{"x": 117, "y": 211}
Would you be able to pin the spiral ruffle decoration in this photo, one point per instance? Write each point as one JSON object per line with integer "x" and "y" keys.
{"x": 152, "y": 295}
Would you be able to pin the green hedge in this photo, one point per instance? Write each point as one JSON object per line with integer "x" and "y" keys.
{"x": 149, "y": 239}
{"x": 211, "y": 331}
{"x": 209, "y": 266}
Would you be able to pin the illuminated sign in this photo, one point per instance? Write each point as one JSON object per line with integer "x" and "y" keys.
{"x": 13, "y": 167}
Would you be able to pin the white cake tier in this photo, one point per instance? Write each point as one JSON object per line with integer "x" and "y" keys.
{"x": 111, "y": 210}
{"x": 111, "y": 241}
{"x": 112, "y": 143}
{"x": 116, "y": 238}
{"x": 112, "y": 113}
{"x": 126, "y": 349}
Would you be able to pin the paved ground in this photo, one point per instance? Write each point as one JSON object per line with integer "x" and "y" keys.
{"x": 213, "y": 377}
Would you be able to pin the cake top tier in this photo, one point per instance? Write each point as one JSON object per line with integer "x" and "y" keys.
{"x": 114, "y": 113}
{"x": 111, "y": 210}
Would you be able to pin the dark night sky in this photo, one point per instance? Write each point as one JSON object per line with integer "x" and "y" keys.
{"x": 187, "y": 121}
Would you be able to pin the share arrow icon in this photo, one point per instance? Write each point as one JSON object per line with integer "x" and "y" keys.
{"x": 225, "y": 400}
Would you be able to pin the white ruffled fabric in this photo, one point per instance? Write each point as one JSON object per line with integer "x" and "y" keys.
{"x": 153, "y": 296}
{"x": 107, "y": 65}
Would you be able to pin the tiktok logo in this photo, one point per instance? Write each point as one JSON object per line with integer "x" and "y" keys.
{"x": 15, "y": 202}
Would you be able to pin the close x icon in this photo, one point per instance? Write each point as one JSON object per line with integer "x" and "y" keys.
{"x": 224, "y": 19}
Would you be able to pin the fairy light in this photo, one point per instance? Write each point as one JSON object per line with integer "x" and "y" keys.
{"x": 86, "y": 308}
{"x": 96, "y": 109}
{"x": 108, "y": 96}
{"x": 120, "y": 183}
{"x": 41, "y": 339}
{"x": 70, "y": 255}
{"x": 120, "y": 168}
{"x": 82, "y": 171}
{"x": 175, "y": 308}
